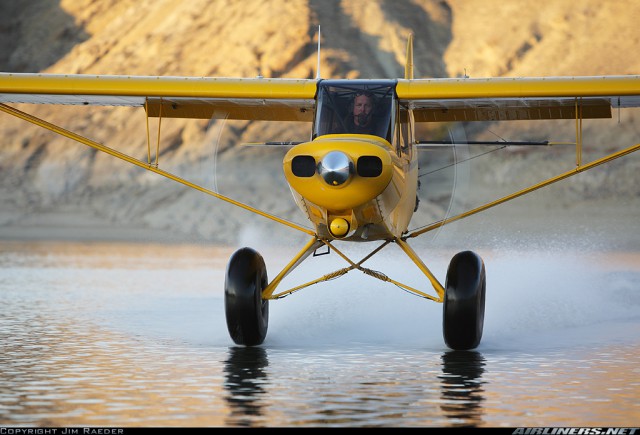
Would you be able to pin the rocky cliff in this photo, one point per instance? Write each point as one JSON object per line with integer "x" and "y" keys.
{"x": 47, "y": 180}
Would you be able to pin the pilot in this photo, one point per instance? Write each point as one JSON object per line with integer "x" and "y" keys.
{"x": 360, "y": 119}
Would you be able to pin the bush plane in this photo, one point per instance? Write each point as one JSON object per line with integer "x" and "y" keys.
{"x": 352, "y": 184}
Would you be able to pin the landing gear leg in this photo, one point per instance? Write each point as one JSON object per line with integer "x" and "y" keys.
{"x": 463, "y": 316}
{"x": 247, "y": 313}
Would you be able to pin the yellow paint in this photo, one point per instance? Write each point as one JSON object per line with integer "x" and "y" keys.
{"x": 418, "y": 262}
{"x": 354, "y": 192}
{"x": 149, "y": 86}
{"x": 487, "y": 88}
{"x": 339, "y": 227}
{"x": 170, "y": 97}
{"x": 311, "y": 246}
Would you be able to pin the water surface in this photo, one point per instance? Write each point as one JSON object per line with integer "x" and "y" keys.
{"x": 112, "y": 334}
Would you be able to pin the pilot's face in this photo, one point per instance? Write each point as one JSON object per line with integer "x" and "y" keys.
{"x": 362, "y": 106}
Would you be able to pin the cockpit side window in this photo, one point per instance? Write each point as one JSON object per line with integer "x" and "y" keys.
{"x": 355, "y": 109}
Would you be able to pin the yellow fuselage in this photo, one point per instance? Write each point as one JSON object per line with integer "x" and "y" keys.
{"x": 374, "y": 202}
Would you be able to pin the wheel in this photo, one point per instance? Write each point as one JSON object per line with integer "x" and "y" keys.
{"x": 463, "y": 315}
{"x": 247, "y": 314}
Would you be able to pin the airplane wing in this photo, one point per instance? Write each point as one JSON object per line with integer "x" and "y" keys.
{"x": 171, "y": 97}
{"x": 510, "y": 99}
{"x": 513, "y": 99}
{"x": 433, "y": 100}
{"x": 180, "y": 97}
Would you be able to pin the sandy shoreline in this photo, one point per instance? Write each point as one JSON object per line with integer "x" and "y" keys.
{"x": 613, "y": 226}
{"x": 79, "y": 226}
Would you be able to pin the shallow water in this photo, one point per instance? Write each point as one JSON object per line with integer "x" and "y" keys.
{"x": 112, "y": 334}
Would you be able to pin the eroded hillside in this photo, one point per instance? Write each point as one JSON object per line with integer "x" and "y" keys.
{"x": 44, "y": 175}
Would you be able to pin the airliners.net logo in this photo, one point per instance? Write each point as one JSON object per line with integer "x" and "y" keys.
{"x": 576, "y": 431}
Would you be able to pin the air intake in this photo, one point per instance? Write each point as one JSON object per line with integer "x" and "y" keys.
{"x": 369, "y": 166}
{"x": 303, "y": 166}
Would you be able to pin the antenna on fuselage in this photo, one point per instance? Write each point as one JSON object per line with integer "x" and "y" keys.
{"x": 318, "y": 69}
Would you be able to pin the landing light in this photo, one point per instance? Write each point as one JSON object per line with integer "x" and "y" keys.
{"x": 339, "y": 227}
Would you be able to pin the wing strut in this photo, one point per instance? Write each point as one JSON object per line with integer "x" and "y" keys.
{"x": 146, "y": 109}
{"x": 578, "y": 133}
{"x": 579, "y": 168}
{"x": 576, "y": 170}
{"x": 83, "y": 140}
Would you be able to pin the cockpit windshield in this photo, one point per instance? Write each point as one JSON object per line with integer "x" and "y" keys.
{"x": 355, "y": 107}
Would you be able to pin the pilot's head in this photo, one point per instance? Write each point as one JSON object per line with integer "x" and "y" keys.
{"x": 362, "y": 108}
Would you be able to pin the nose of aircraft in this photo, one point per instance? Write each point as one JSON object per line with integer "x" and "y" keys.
{"x": 335, "y": 168}
{"x": 339, "y": 172}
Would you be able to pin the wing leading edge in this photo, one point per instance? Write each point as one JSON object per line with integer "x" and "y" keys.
{"x": 180, "y": 97}
{"x": 504, "y": 99}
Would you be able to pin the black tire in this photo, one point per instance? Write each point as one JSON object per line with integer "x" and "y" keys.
{"x": 463, "y": 313}
{"x": 247, "y": 314}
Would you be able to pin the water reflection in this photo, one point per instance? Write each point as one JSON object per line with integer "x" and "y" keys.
{"x": 245, "y": 381}
{"x": 461, "y": 383}
{"x": 91, "y": 338}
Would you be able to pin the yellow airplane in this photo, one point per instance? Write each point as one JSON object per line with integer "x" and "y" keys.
{"x": 357, "y": 178}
